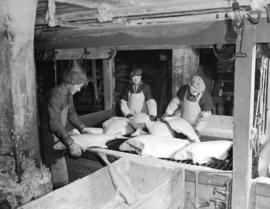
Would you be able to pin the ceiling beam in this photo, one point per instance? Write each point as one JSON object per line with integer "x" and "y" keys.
{"x": 200, "y": 33}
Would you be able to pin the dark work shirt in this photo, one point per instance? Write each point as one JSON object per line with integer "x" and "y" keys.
{"x": 59, "y": 98}
{"x": 145, "y": 88}
{"x": 206, "y": 101}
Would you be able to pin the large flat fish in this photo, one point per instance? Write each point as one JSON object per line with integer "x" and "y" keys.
{"x": 155, "y": 146}
{"x": 202, "y": 152}
{"x": 139, "y": 120}
{"x": 159, "y": 128}
{"x": 117, "y": 126}
{"x": 88, "y": 140}
{"x": 179, "y": 125}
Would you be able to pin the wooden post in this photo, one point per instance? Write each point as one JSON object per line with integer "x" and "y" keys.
{"x": 243, "y": 118}
{"x": 268, "y": 102}
{"x": 109, "y": 83}
{"x": 18, "y": 111}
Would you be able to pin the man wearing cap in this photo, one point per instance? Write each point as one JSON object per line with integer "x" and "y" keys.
{"x": 60, "y": 108}
{"x": 193, "y": 101}
{"x": 137, "y": 97}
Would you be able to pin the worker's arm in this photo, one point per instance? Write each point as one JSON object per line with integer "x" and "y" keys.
{"x": 124, "y": 103}
{"x": 172, "y": 106}
{"x": 74, "y": 118}
{"x": 124, "y": 108}
{"x": 55, "y": 107}
{"x": 150, "y": 101}
{"x": 206, "y": 104}
{"x": 176, "y": 102}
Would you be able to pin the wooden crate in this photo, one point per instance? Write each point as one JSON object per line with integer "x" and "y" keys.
{"x": 262, "y": 193}
{"x": 157, "y": 186}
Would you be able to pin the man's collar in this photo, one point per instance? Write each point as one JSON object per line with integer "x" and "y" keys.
{"x": 191, "y": 96}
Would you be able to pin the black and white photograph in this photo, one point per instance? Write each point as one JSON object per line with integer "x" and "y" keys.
{"x": 135, "y": 104}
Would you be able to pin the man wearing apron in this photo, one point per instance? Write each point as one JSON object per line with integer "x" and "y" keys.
{"x": 137, "y": 97}
{"x": 60, "y": 108}
{"x": 193, "y": 103}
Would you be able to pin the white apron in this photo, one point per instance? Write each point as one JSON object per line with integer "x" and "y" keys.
{"x": 136, "y": 103}
{"x": 191, "y": 110}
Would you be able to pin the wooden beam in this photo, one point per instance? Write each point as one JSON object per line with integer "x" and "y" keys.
{"x": 130, "y": 7}
{"x": 243, "y": 117}
{"x": 195, "y": 33}
{"x": 267, "y": 132}
{"x": 109, "y": 83}
{"x": 98, "y": 11}
{"x": 77, "y": 53}
{"x": 263, "y": 31}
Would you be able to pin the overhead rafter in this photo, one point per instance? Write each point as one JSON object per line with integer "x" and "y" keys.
{"x": 91, "y": 12}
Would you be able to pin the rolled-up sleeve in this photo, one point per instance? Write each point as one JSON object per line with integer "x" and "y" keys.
{"x": 55, "y": 107}
{"x": 123, "y": 102}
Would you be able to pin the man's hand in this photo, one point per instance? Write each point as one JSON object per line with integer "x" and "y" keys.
{"x": 153, "y": 118}
{"x": 75, "y": 150}
{"x": 129, "y": 115}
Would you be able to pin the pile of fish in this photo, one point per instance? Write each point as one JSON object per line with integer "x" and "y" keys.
{"x": 154, "y": 138}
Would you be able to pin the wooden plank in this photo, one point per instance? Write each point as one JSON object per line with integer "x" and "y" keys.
{"x": 159, "y": 184}
{"x": 109, "y": 83}
{"x": 138, "y": 4}
{"x": 262, "y": 29}
{"x": 174, "y": 33}
{"x": 243, "y": 118}
{"x": 196, "y": 33}
{"x": 263, "y": 186}
{"x": 262, "y": 202}
{"x": 115, "y": 9}
{"x": 77, "y": 53}
{"x": 267, "y": 132}
{"x": 88, "y": 192}
{"x": 68, "y": 54}
{"x": 207, "y": 176}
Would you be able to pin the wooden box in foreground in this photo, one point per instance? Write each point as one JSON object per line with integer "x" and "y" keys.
{"x": 157, "y": 186}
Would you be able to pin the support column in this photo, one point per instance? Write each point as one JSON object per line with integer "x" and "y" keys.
{"x": 109, "y": 83}
{"x": 185, "y": 63}
{"x": 19, "y": 141}
{"x": 243, "y": 118}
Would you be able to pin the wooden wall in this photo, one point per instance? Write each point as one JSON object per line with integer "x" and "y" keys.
{"x": 185, "y": 63}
